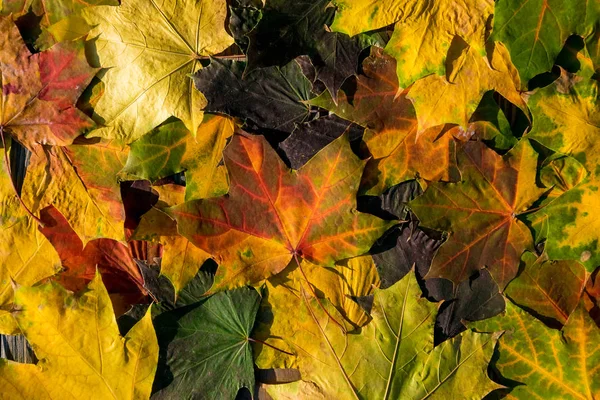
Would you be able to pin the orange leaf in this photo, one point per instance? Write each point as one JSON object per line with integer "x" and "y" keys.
{"x": 273, "y": 214}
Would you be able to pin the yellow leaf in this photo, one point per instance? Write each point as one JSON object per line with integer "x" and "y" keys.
{"x": 8, "y": 325}
{"x": 81, "y": 353}
{"x": 181, "y": 259}
{"x": 26, "y": 256}
{"x": 344, "y": 281}
{"x": 439, "y": 101}
{"x": 421, "y": 42}
{"x": 151, "y": 47}
{"x": 81, "y": 182}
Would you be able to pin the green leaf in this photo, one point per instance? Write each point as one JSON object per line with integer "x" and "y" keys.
{"x": 204, "y": 343}
{"x": 171, "y": 148}
{"x": 534, "y": 31}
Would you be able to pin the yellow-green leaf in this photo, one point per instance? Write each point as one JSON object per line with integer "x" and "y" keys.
{"x": 422, "y": 41}
{"x": 547, "y": 362}
{"x": 171, "y": 148}
{"x": 566, "y": 119}
{"x": 151, "y": 47}
{"x": 392, "y": 357}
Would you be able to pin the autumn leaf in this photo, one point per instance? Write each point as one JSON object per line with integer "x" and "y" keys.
{"x": 482, "y": 212}
{"x": 423, "y": 31}
{"x": 113, "y": 259}
{"x": 538, "y": 290}
{"x": 404, "y": 248}
{"x": 565, "y": 119}
{"x": 180, "y": 259}
{"x": 149, "y": 50}
{"x": 171, "y": 148}
{"x": 81, "y": 353}
{"x": 288, "y": 30}
{"x": 548, "y": 362}
{"x": 272, "y": 214}
{"x": 39, "y": 91}
{"x": 204, "y": 343}
{"x": 50, "y": 11}
{"x": 474, "y": 299}
{"x": 76, "y": 178}
{"x": 342, "y": 284}
{"x": 26, "y": 256}
{"x": 376, "y": 104}
{"x": 391, "y": 357}
{"x": 534, "y": 31}
{"x": 310, "y": 137}
{"x": 439, "y": 101}
{"x": 269, "y": 98}
{"x": 391, "y": 135}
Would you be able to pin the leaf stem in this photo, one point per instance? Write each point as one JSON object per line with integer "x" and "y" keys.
{"x": 269, "y": 345}
{"x": 231, "y": 57}
{"x": 12, "y": 182}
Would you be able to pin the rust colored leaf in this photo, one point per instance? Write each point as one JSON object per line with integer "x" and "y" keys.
{"x": 113, "y": 259}
{"x": 481, "y": 212}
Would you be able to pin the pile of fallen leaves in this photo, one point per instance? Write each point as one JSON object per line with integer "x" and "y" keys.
{"x": 300, "y": 199}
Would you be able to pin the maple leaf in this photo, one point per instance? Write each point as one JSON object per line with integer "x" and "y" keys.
{"x": 548, "y": 362}
{"x": 565, "y": 119}
{"x": 272, "y": 214}
{"x": 51, "y": 11}
{"x": 39, "y": 91}
{"x": 288, "y": 30}
{"x": 81, "y": 353}
{"x": 391, "y": 357}
{"x": 180, "y": 258}
{"x": 476, "y": 298}
{"x": 535, "y": 31}
{"x": 268, "y": 98}
{"x": 439, "y": 101}
{"x": 310, "y": 137}
{"x": 537, "y": 290}
{"x": 391, "y": 135}
{"x": 423, "y": 31}
{"x": 482, "y": 212}
{"x": 26, "y": 256}
{"x": 593, "y": 48}
{"x": 150, "y": 49}
{"x": 406, "y": 247}
{"x": 171, "y": 148}
{"x": 204, "y": 342}
{"x": 113, "y": 259}
{"x": 76, "y": 178}
{"x": 342, "y": 284}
